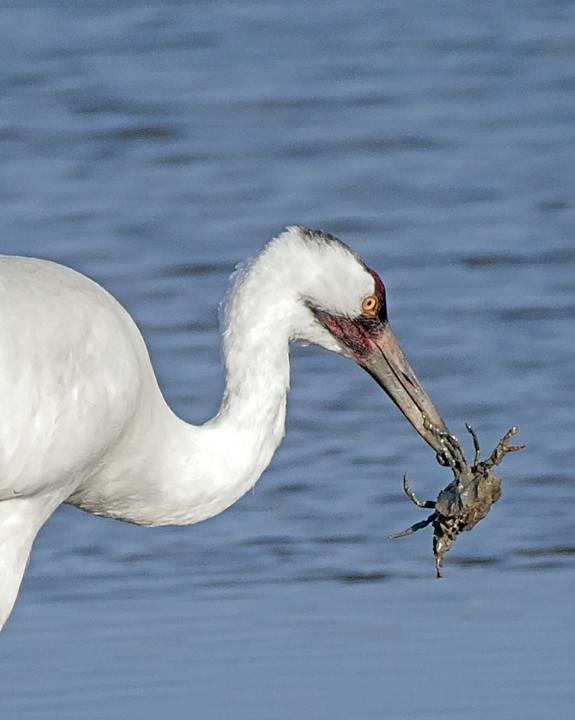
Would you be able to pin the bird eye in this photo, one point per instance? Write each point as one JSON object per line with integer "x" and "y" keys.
{"x": 370, "y": 305}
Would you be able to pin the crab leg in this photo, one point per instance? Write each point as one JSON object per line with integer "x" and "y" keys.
{"x": 502, "y": 449}
{"x": 413, "y": 497}
{"x": 473, "y": 434}
{"x": 413, "y": 528}
{"x": 452, "y": 453}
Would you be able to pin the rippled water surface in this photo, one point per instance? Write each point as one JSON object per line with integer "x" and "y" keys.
{"x": 153, "y": 146}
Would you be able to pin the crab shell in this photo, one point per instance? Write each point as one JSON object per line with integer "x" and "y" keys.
{"x": 470, "y": 498}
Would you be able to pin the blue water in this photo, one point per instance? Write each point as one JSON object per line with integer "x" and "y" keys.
{"x": 155, "y": 145}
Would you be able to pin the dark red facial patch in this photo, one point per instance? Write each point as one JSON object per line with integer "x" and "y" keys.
{"x": 358, "y": 334}
{"x": 379, "y": 286}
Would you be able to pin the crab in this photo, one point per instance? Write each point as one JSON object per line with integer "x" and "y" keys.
{"x": 467, "y": 499}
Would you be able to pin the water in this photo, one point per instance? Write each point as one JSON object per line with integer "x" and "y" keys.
{"x": 155, "y": 145}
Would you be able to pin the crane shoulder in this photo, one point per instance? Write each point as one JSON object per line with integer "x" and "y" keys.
{"x": 73, "y": 370}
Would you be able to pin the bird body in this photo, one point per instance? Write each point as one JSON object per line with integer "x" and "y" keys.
{"x": 83, "y": 421}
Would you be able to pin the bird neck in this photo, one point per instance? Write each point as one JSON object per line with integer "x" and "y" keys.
{"x": 251, "y": 419}
{"x": 256, "y": 359}
{"x": 207, "y": 468}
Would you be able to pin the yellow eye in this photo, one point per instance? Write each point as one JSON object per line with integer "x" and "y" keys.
{"x": 370, "y": 305}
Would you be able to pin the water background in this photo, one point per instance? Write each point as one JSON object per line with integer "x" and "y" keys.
{"x": 155, "y": 145}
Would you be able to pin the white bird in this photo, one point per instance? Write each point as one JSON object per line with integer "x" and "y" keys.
{"x": 83, "y": 420}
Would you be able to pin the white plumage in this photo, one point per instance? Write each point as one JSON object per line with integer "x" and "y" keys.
{"x": 83, "y": 419}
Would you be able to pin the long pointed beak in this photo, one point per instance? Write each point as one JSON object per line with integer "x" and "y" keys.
{"x": 389, "y": 368}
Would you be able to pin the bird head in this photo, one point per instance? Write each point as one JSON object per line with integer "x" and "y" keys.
{"x": 342, "y": 307}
